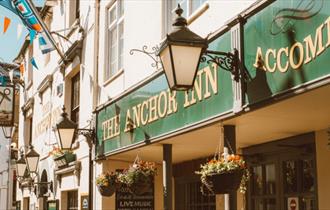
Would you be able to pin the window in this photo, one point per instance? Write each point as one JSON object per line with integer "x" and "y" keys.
{"x": 75, "y": 98}
{"x": 28, "y": 129}
{"x": 74, "y": 11}
{"x": 286, "y": 169}
{"x": 188, "y": 6}
{"x": 189, "y": 196}
{"x": 115, "y": 36}
{"x": 72, "y": 200}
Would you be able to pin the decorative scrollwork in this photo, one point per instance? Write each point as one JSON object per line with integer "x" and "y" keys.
{"x": 226, "y": 62}
{"x": 152, "y": 54}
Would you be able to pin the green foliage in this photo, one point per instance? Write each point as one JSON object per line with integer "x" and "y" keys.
{"x": 220, "y": 166}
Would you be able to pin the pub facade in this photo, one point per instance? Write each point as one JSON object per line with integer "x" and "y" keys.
{"x": 274, "y": 113}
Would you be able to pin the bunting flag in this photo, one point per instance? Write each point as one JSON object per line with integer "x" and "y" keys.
{"x": 21, "y": 69}
{"x": 28, "y": 14}
{"x": 6, "y": 24}
{"x": 32, "y": 35}
{"x": 33, "y": 62}
{"x": 44, "y": 45}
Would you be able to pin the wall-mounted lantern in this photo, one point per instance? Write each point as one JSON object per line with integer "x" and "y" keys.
{"x": 183, "y": 50}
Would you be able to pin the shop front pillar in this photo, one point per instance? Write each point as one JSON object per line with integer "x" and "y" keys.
{"x": 230, "y": 143}
{"x": 167, "y": 176}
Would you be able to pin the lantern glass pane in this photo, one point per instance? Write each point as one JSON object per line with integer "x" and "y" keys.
{"x": 20, "y": 167}
{"x": 186, "y": 59}
{"x": 165, "y": 57}
{"x": 66, "y": 137}
{"x": 33, "y": 163}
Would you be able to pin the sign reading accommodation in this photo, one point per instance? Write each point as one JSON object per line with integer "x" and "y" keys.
{"x": 6, "y": 105}
{"x": 125, "y": 200}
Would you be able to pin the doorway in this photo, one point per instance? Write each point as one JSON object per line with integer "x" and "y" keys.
{"x": 283, "y": 174}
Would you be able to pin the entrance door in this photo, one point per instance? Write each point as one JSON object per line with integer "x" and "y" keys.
{"x": 283, "y": 175}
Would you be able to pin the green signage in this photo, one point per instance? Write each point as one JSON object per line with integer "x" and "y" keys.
{"x": 152, "y": 110}
{"x": 286, "y": 45}
{"x": 52, "y": 205}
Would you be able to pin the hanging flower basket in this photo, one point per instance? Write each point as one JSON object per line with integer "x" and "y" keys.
{"x": 139, "y": 177}
{"x": 221, "y": 176}
{"x": 62, "y": 158}
{"x": 226, "y": 182}
{"x": 142, "y": 186}
{"x": 107, "y": 184}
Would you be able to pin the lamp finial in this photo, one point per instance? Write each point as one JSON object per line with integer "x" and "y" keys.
{"x": 179, "y": 20}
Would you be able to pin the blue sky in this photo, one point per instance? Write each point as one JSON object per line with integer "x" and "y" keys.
{"x": 10, "y": 44}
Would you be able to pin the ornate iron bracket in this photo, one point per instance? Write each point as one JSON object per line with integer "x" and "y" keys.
{"x": 225, "y": 60}
{"x": 89, "y": 134}
{"x": 152, "y": 54}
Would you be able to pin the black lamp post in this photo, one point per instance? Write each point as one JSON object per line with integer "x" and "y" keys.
{"x": 32, "y": 159}
{"x": 65, "y": 129}
{"x": 21, "y": 165}
{"x": 180, "y": 54}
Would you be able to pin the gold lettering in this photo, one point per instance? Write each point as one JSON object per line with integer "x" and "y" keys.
{"x": 259, "y": 62}
{"x": 153, "y": 109}
{"x": 268, "y": 52}
{"x": 162, "y": 100}
{"x": 186, "y": 99}
{"x": 129, "y": 122}
{"x": 172, "y": 104}
{"x": 328, "y": 29}
{"x": 197, "y": 88}
{"x": 311, "y": 47}
{"x": 211, "y": 79}
{"x": 111, "y": 127}
{"x": 107, "y": 131}
{"x": 136, "y": 115}
{"x": 300, "y": 56}
{"x": 144, "y": 114}
{"x": 279, "y": 58}
{"x": 117, "y": 125}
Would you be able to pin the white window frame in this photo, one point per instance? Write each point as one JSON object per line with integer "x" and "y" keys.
{"x": 110, "y": 73}
{"x": 188, "y": 10}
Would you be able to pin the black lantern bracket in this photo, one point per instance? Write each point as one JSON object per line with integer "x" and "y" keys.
{"x": 150, "y": 53}
{"x": 228, "y": 61}
{"x": 89, "y": 134}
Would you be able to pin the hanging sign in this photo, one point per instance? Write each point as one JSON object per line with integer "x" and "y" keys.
{"x": 7, "y": 102}
{"x": 293, "y": 203}
{"x": 84, "y": 202}
{"x": 52, "y": 205}
{"x": 128, "y": 201}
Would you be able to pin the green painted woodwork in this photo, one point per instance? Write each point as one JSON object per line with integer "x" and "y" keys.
{"x": 282, "y": 24}
{"x": 213, "y": 106}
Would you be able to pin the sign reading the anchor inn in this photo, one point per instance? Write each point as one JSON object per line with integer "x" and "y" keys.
{"x": 7, "y": 101}
{"x": 152, "y": 110}
{"x": 287, "y": 44}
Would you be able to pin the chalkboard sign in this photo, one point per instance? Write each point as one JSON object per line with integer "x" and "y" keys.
{"x": 52, "y": 205}
{"x": 128, "y": 201}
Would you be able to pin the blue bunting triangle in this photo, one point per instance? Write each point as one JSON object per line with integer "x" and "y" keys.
{"x": 33, "y": 62}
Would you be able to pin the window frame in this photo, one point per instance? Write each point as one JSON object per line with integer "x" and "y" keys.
{"x": 75, "y": 109}
{"x": 74, "y": 195}
{"x": 109, "y": 74}
{"x": 170, "y": 7}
